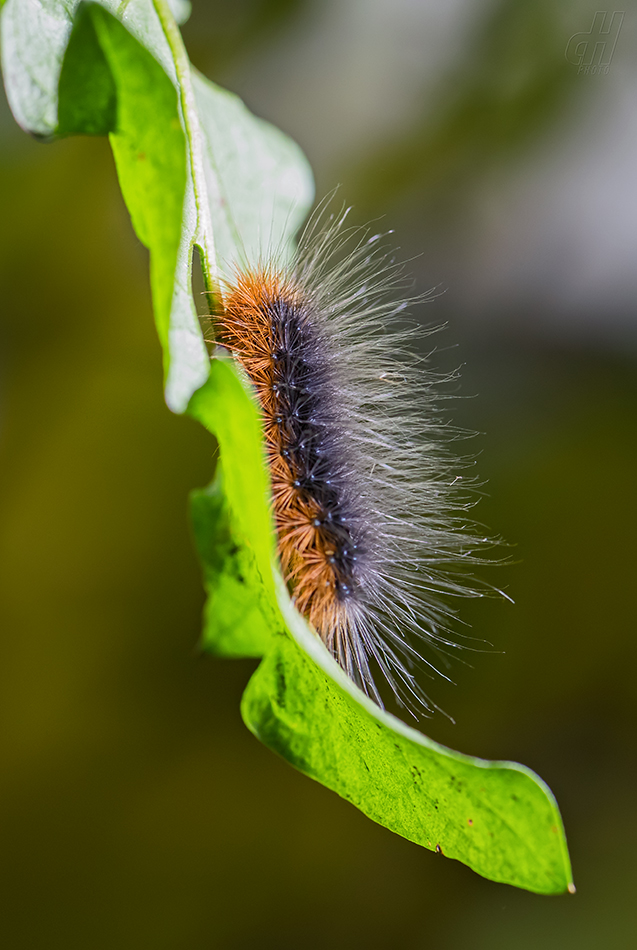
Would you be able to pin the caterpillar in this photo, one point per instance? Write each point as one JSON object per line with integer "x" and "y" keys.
{"x": 364, "y": 492}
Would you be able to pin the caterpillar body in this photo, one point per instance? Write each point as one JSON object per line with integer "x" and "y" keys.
{"x": 364, "y": 493}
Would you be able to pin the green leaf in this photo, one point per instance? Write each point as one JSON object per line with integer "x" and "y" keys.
{"x": 242, "y": 546}
{"x": 198, "y": 170}
{"x": 87, "y": 93}
{"x": 497, "y": 817}
{"x": 237, "y": 618}
{"x": 150, "y": 154}
{"x": 178, "y": 170}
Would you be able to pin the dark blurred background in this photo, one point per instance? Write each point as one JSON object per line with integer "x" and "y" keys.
{"x": 136, "y": 810}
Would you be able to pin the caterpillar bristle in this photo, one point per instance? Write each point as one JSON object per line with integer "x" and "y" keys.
{"x": 365, "y": 495}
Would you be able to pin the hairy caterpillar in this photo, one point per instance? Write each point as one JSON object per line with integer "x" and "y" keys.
{"x": 364, "y": 494}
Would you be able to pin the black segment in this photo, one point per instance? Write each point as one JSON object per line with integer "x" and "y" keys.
{"x": 313, "y": 441}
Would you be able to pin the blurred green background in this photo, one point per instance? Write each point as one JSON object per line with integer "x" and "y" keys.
{"x": 136, "y": 810}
